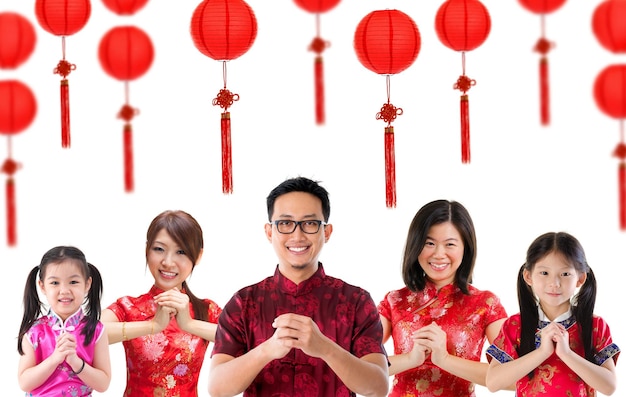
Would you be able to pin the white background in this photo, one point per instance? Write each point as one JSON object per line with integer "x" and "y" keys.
{"x": 524, "y": 179}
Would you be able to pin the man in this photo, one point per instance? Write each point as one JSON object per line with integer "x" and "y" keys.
{"x": 299, "y": 332}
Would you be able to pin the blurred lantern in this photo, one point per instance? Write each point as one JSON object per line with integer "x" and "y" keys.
{"x": 609, "y": 92}
{"x": 63, "y": 18}
{"x": 387, "y": 42}
{"x": 18, "y": 108}
{"x": 126, "y": 53}
{"x": 609, "y": 25}
{"x": 17, "y": 40}
{"x": 543, "y": 46}
{"x": 224, "y": 30}
{"x": 463, "y": 25}
{"x": 124, "y": 7}
{"x": 318, "y": 46}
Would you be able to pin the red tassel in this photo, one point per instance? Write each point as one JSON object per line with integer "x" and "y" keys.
{"x": 390, "y": 167}
{"x": 65, "y": 113}
{"x": 465, "y": 129}
{"x": 11, "y": 212}
{"x": 129, "y": 179}
{"x": 622, "y": 195}
{"x": 320, "y": 116}
{"x": 227, "y": 161}
{"x": 544, "y": 90}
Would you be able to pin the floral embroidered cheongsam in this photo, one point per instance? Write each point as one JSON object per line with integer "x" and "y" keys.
{"x": 553, "y": 377}
{"x": 166, "y": 364}
{"x": 43, "y": 335}
{"x": 464, "y": 318}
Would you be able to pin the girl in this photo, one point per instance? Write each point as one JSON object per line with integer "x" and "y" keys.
{"x": 167, "y": 330}
{"x": 64, "y": 352}
{"x": 438, "y": 321}
{"x": 555, "y": 345}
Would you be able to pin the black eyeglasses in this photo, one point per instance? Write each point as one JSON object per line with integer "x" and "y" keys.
{"x": 286, "y": 226}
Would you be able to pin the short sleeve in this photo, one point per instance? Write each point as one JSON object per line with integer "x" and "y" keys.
{"x": 504, "y": 347}
{"x": 118, "y": 308}
{"x": 368, "y": 334}
{"x": 229, "y": 338}
{"x": 495, "y": 309}
{"x": 384, "y": 308}
{"x": 603, "y": 342}
{"x": 214, "y": 311}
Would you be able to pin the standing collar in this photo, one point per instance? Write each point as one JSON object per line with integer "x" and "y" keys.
{"x": 566, "y": 319}
{"x": 70, "y": 323}
{"x": 305, "y": 286}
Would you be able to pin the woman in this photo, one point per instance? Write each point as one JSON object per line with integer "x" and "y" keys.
{"x": 166, "y": 331}
{"x": 439, "y": 321}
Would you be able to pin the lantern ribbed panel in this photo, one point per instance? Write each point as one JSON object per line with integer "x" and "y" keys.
{"x": 18, "y": 106}
{"x": 387, "y": 41}
{"x": 542, "y": 6}
{"x": 609, "y": 25}
{"x": 316, "y": 6}
{"x": 223, "y": 29}
{"x": 62, "y": 17}
{"x": 462, "y": 25}
{"x": 124, "y": 7}
{"x": 609, "y": 91}
{"x": 126, "y": 52}
{"x": 17, "y": 40}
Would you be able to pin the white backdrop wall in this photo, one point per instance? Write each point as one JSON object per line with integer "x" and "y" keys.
{"x": 524, "y": 179}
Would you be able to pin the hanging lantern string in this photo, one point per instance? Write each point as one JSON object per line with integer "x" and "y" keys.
{"x": 317, "y": 25}
{"x": 9, "y": 146}
{"x": 225, "y": 98}
{"x": 224, "y": 72}
{"x": 388, "y": 112}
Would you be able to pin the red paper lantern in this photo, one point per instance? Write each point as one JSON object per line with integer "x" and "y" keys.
{"x": 543, "y": 46}
{"x": 316, "y": 6}
{"x": 387, "y": 42}
{"x": 318, "y": 45}
{"x": 126, "y": 53}
{"x": 124, "y": 7}
{"x": 17, "y": 40}
{"x": 609, "y": 91}
{"x": 542, "y": 6}
{"x": 18, "y": 108}
{"x": 63, "y": 18}
{"x": 463, "y": 25}
{"x": 224, "y": 30}
{"x": 608, "y": 25}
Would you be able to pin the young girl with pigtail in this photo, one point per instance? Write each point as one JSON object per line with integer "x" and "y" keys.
{"x": 64, "y": 352}
{"x": 555, "y": 345}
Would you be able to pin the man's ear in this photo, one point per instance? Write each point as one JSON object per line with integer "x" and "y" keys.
{"x": 268, "y": 231}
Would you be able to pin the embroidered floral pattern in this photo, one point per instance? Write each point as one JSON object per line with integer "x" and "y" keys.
{"x": 463, "y": 317}
{"x": 166, "y": 364}
{"x": 553, "y": 377}
{"x": 344, "y": 313}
